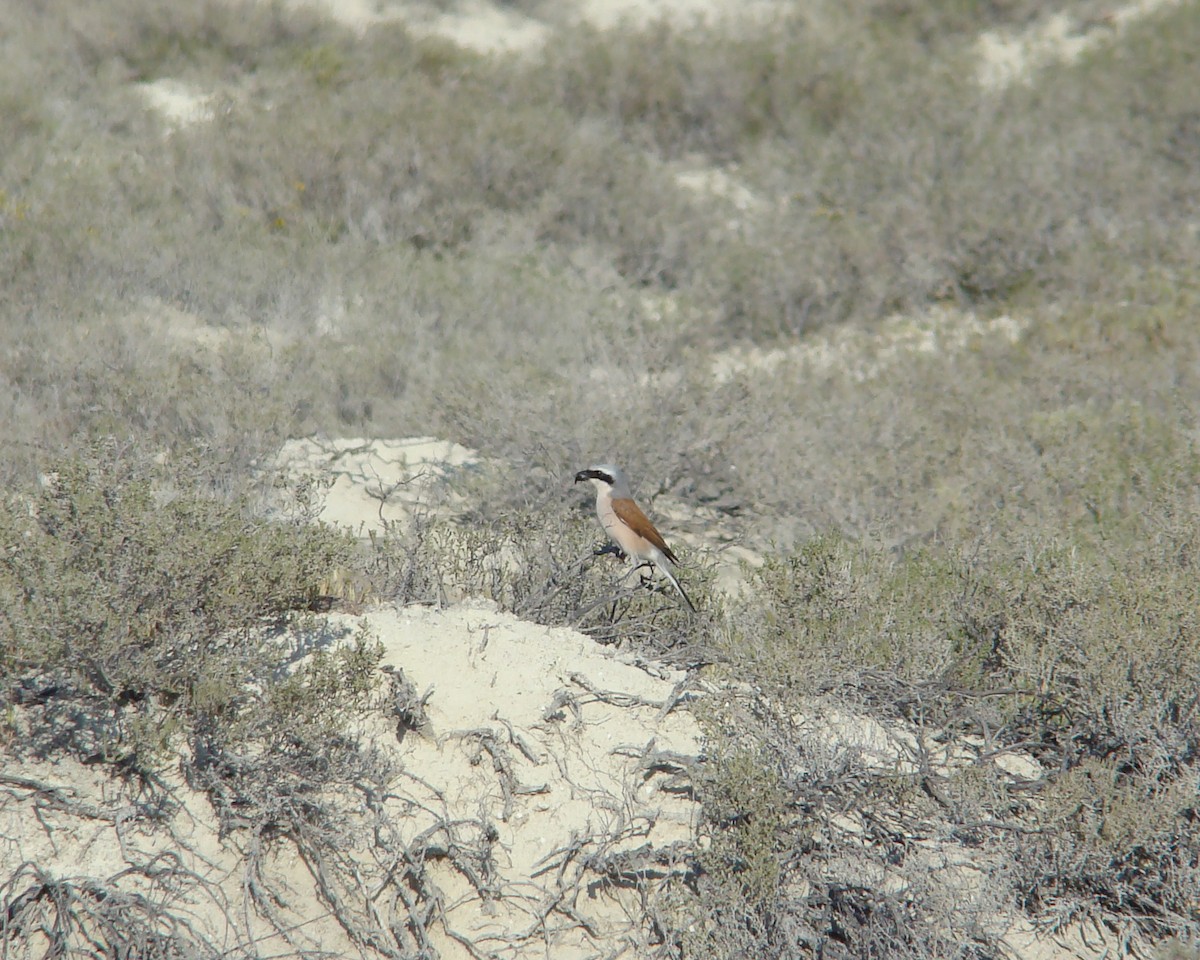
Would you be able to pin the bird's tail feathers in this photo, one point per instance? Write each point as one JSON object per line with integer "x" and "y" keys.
{"x": 675, "y": 584}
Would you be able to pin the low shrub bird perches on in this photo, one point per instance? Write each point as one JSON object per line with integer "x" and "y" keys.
{"x": 625, "y": 523}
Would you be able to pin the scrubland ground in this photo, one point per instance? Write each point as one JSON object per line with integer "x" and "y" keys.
{"x": 889, "y": 308}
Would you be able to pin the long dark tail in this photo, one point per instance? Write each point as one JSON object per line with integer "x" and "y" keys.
{"x": 675, "y": 583}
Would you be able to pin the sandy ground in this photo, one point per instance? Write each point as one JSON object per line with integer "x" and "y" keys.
{"x": 1007, "y": 57}
{"x": 499, "y": 27}
{"x": 368, "y": 485}
{"x": 863, "y": 355}
{"x": 538, "y": 732}
{"x": 577, "y": 726}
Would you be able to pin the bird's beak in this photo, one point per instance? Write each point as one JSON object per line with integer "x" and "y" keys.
{"x": 584, "y": 475}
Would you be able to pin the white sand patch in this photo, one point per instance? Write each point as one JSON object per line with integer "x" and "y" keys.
{"x": 484, "y": 27}
{"x": 490, "y": 27}
{"x": 178, "y": 103}
{"x": 360, "y": 14}
{"x": 373, "y": 483}
{"x": 473, "y": 24}
{"x": 189, "y": 330}
{"x": 1007, "y": 57}
{"x": 637, "y": 13}
{"x": 1025, "y": 940}
{"x": 93, "y": 832}
{"x": 721, "y": 183}
{"x": 572, "y": 724}
{"x": 723, "y": 186}
{"x": 899, "y": 749}
{"x": 862, "y": 355}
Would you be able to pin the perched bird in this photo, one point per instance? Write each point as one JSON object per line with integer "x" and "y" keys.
{"x": 624, "y": 522}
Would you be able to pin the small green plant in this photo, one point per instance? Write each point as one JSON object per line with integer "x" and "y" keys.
{"x": 745, "y": 806}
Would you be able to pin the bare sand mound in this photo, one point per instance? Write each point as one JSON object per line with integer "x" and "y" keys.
{"x": 561, "y": 746}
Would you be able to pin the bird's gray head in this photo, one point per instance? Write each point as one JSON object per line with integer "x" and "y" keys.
{"x": 605, "y": 475}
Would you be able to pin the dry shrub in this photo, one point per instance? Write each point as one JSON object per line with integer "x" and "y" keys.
{"x": 1085, "y": 659}
{"x": 134, "y": 601}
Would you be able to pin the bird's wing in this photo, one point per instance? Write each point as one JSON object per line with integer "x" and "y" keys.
{"x": 631, "y": 515}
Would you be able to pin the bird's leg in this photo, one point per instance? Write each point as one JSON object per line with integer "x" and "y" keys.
{"x": 610, "y": 548}
{"x": 632, "y": 570}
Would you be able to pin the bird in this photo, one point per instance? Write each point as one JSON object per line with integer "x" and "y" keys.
{"x": 626, "y": 525}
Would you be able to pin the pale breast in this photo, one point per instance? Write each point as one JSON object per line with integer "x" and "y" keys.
{"x": 608, "y": 517}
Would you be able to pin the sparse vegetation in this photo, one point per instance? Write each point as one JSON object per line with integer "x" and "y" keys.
{"x": 1040, "y": 651}
{"x": 971, "y": 473}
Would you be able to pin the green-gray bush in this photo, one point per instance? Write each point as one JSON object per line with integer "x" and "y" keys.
{"x": 141, "y": 602}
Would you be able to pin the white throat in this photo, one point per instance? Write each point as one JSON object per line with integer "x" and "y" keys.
{"x": 603, "y": 491}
